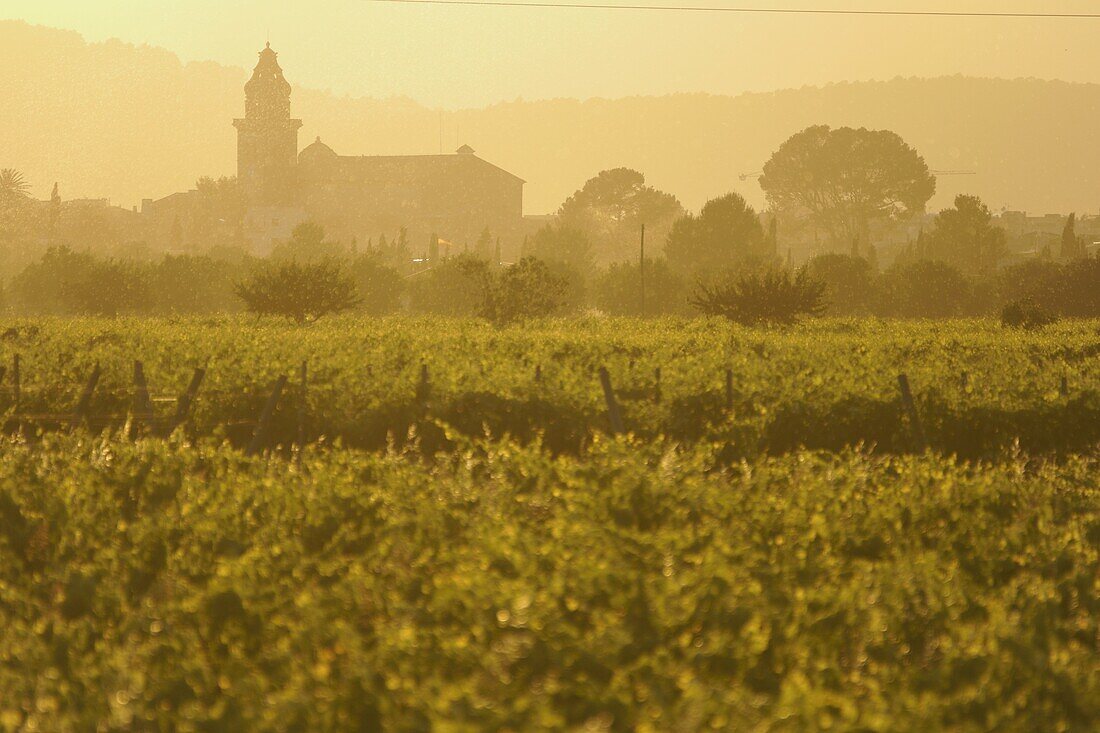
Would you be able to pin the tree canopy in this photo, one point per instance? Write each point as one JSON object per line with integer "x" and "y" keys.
{"x": 849, "y": 283}
{"x": 219, "y": 214}
{"x": 527, "y": 289}
{"x": 304, "y": 291}
{"x": 966, "y": 237}
{"x": 16, "y": 214}
{"x": 1073, "y": 246}
{"x": 561, "y": 243}
{"x": 452, "y": 286}
{"x": 725, "y": 234}
{"x": 13, "y": 185}
{"x": 611, "y": 208}
{"x": 617, "y": 291}
{"x": 925, "y": 289}
{"x": 846, "y": 183}
{"x": 307, "y": 243}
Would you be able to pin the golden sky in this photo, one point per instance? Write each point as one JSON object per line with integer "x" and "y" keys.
{"x": 474, "y": 56}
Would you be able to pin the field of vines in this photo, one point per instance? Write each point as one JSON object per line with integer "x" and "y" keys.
{"x": 980, "y": 389}
{"x": 484, "y": 552}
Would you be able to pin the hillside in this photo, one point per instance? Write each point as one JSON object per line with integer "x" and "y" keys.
{"x": 126, "y": 122}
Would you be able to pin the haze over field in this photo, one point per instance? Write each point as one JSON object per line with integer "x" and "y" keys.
{"x": 457, "y": 56}
{"x": 123, "y": 121}
{"x": 452, "y": 370}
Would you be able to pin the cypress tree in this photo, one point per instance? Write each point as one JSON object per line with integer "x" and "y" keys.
{"x": 1073, "y": 246}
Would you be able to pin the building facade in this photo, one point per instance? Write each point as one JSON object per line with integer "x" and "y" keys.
{"x": 356, "y": 199}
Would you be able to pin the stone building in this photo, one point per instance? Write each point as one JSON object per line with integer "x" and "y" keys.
{"x": 356, "y": 198}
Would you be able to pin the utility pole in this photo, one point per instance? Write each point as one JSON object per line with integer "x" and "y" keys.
{"x": 641, "y": 269}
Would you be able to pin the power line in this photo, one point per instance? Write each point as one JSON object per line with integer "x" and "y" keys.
{"x": 752, "y": 10}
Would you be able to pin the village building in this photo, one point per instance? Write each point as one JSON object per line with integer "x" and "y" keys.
{"x": 453, "y": 198}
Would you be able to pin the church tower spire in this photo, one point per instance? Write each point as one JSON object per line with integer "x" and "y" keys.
{"x": 267, "y": 136}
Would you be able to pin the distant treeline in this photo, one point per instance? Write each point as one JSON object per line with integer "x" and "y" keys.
{"x": 841, "y": 192}
{"x": 69, "y": 282}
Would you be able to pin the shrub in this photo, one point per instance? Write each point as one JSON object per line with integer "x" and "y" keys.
{"x": 1026, "y": 314}
{"x": 1079, "y": 289}
{"x": 302, "y": 291}
{"x": 65, "y": 282}
{"x": 924, "y": 289}
{"x": 380, "y": 286}
{"x": 1070, "y": 289}
{"x": 617, "y": 291}
{"x": 527, "y": 289}
{"x": 575, "y": 295}
{"x": 195, "y": 284}
{"x": 772, "y": 296}
{"x": 307, "y": 243}
{"x": 966, "y": 237}
{"x": 849, "y": 283}
{"x": 726, "y": 233}
{"x": 455, "y": 286}
{"x": 561, "y": 243}
{"x": 1034, "y": 279}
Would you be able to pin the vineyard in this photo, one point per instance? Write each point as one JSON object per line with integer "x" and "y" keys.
{"x": 980, "y": 389}
{"x": 445, "y": 529}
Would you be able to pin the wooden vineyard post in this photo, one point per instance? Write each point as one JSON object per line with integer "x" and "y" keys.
{"x": 16, "y": 385}
{"x": 141, "y": 406}
{"x": 911, "y": 410}
{"x": 302, "y": 412}
{"x": 538, "y": 373}
{"x": 612, "y": 404}
{"x": 1063, "y": 386}
{"x": 183, "y": 404}
{"x": 964, "y": 380}
{"x": 263, "y": 426}
{"x": 657, "y": 385}
{"x": 729, "y": 390}
{"x": 80, "y": 412}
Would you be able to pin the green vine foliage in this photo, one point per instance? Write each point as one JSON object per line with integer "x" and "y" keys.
{"x": 640, "y": 586}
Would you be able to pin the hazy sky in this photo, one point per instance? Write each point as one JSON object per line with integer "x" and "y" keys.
{"x": 472, "y": 56}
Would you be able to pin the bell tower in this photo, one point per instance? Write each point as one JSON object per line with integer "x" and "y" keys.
{"x": 267, "y": 136}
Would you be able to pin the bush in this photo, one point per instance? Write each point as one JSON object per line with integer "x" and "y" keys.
{"x": 1079, "y": 289}
{"x": 561, "y": 244}
{"x": 1034, "y": 279}
{"x": 307, "y": 243}
{"x": 726, "y": 233}
{"x": 772, "y": 296}
{"x": 925, "y": 289}
{"x": 302, "y": 291}
{"x": 1026, "y": 314}
{"x": 527, "y": 289}
{"x": 575, "y": 295}
{"x": 380, "y": 286}
{"x": 455, "y": 286}
{"x": 617, "y": 290}
{"x": 195, "y": 284}
{"x": 65, "y": 282}
{"x": 849, "y": 283}
{"x": 1070, "y": 289}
